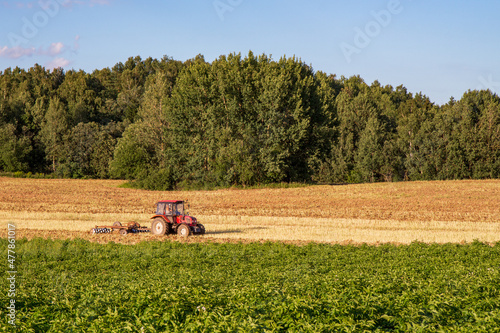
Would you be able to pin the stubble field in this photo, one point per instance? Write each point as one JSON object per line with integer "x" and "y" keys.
{"x": 400, "y": 213}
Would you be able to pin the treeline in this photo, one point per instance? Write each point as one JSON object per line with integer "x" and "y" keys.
{"x": 238, "y": 121}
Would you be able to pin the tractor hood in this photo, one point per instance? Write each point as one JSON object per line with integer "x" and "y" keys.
{"x": 189, "y": 219}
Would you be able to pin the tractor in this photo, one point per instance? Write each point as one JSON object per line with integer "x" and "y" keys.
{"x": 170, "y": 218}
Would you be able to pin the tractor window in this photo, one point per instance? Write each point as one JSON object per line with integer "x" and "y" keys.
{"x": 160, "y": 208}
{"x": 179, "y": 209}
{"x": 168, "y": 209}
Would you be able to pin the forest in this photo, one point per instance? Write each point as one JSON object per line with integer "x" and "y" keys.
{"x": 238, "y": 121}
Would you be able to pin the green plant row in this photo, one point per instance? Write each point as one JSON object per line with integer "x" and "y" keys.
{"x": 138, "y": 184}
{"x": 21, "y": 174}
{"x": 79, "y": 286}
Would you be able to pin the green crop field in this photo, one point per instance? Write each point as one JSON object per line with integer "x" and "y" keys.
{"x": 80, "y": 286}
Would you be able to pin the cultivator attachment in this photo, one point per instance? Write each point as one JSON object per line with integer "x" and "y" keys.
{"x": 101, "y": 230}
{"x": 131, "y": 227}
{"x": 136, "y": 231}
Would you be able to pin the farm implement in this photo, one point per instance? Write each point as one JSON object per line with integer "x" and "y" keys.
{"x": 169, "y": 218}
{"x": 131, "y": 227}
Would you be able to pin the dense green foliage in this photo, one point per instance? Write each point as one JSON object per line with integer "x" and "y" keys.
{"x": 80, "y": 286}
{"x": 238, "y": 121}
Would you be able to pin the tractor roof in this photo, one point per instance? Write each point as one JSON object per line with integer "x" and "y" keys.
{"x": 170, "y": 201}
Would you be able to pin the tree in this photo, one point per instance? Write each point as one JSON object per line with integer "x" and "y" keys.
{"x": 13, "y": 150}
{"x": 476, "y": 133}
{"x": 152, "y": 117}
{"x": 354, "y": 107}
{"x": 132, "y": 155}
{"x": 287, "y": 109}
{"x": 53, "y": 130}
{"x": 369, "y": 155}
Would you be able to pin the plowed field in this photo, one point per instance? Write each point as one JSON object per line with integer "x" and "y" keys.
{"x": 441, "y": 212}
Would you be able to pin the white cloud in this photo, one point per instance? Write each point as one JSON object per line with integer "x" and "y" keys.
{"x": 77, "y": 45}
{"x": 55, "y": 48}
{"x": 16, "y": 52}
{"x": 57, "y": 62}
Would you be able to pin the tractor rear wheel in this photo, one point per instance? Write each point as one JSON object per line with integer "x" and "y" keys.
{"x": 159, "y": 227}
{"x": 183, "y": 230}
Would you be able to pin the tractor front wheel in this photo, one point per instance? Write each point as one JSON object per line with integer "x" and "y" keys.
{"x": 183, "y": 230}
{"x": 159, "y": 227}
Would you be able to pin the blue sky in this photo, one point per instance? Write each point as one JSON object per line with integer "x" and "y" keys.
{"x": 440, "y": 48}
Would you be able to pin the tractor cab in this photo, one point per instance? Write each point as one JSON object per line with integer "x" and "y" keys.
{"x": 170, "y": 216}
{"x": 170, "y": 208}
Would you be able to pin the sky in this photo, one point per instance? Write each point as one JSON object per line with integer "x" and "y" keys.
{"x": 441, "y": 49}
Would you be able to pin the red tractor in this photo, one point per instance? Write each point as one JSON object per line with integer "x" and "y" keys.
{"x": 170, "y": 218}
